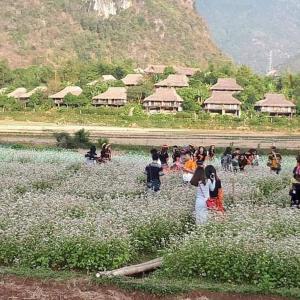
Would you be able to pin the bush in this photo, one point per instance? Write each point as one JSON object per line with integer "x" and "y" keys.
{"x": 80, "y": 140}
{"x": 64, "y": 140}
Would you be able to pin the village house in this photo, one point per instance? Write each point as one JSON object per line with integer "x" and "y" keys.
{"x": 163, "y": 100}
{"x": 114, "y": 96}
{"x": 58, "y": 98}
{"x": 223, "y": 102}
{"x": 133, "y": 79}
{"x": 186, "y": 71}
{"x": 103, "y": 78}
{"x": 17, "y": 93}
{"x": 276, "y": 105}
{"x": 155, "y": 69}
{"x": 174, "y": 80}
{"x": 25, "y": 97}
{"x": 227, "y": 85}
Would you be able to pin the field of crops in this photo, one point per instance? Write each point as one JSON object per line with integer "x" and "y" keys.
{"x": 57, "y": 212}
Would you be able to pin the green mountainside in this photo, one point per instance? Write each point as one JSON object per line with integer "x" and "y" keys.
{"x": 248, "y": 30}
{"x": 149, "y": 31}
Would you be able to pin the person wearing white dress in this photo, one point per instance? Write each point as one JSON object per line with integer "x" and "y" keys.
{"x": 204, "y": 185}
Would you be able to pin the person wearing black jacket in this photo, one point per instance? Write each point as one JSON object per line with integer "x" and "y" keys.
{"x": 154, "y": 171}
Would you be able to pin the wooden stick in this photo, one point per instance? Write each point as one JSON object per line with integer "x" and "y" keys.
{"x": 133, "y": 270}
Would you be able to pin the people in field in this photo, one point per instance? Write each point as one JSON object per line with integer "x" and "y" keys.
{"x": 204, "y": 186}
{"x": 106, "y": 153}
{"x": 200, "y": 155}
{"x": 212, "y": 152}
{"x": 188, "y": 168}
{"x": 164, "y": 156}
{"x": 295, "y": 190}
{"x": 274, "y": 160}
{"x": 175, "y": 153}
{"x": 91, "y": 156}
{"x": 226, "y": 159}
{"x": 216, "y": 196}
{"x": 235, "y": 162}
{"x": 243, "y": 162}
{"x": 154, "y": 171}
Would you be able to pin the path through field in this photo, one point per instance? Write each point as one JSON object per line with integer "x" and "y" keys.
{"x": 42, "y": 133}
{"x": 17, "y": 288}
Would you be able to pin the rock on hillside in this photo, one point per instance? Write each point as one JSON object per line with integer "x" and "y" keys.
{"x": 146, "y": 31}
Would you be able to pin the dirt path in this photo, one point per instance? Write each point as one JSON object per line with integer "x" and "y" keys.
{"x": 42, "y": 133}
{"x": 16, "y": 288}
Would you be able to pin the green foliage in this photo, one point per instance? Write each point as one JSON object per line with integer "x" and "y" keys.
{"x": 64, "y": 140}
{"x": 81, "y": 139}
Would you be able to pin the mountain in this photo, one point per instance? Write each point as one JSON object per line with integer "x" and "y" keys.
{"x": 291, "y": 65}
{"x": 146, "y": 31}
{"x": 248, "y": 30}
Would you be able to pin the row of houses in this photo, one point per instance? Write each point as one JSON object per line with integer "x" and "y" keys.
{"x": 166, "y": 99}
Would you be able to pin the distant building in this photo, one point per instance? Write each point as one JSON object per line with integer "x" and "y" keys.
{"x": 227, "y": 85}
{"x": 17, "y": 93}
{"x": 58, "y": 98}
{"x": 155, "y": 69}
{"x": 163, "y": 100}
{"x": 104, "y": 78}
{"x": 186, "y": 71}
{"x": 174, "y": 80}
{"x": 133, "y": 79}
{"x": 276, "y": 105}
{"x": 25, "y": 97}
{"x": 114, "y": 96}
{"x": 223, "y": 102}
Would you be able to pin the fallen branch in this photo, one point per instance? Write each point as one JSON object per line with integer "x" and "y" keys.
{"x": 133, "y": 270}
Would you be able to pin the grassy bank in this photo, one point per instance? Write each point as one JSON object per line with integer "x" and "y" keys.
{"x": 124, "y": 117}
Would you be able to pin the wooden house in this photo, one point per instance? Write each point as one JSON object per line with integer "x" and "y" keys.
{"x": 227, "y": 85}
{"x": 133, "y": 79}
{"x": 25, "y": 97}
{"x": 114, "y": 96}
{"x": 155, "y": 69}
{"x": 174, "y": 80}
{"x": 186, "y": 71}
{"x": 17, "y": 93}
{"x": 58, "y": 98}
{"x": 223, "y": 102}
{"x": 276, "y": 105}
{"x": 163, "y": 100}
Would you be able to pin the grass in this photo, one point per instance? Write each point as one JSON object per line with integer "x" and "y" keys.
{"x": 153, "y": 284}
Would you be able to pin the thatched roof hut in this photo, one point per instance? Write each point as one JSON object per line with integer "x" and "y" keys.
{"x": 114, "y": 96}
{"x": 108, "y": 78}
{"x": 26, "y": 96}
{"x": 59, "y": 97}
{"x": 164, "y": 99}
{"x": 174, "y": 80}
{"x": 133, "y": 79}
{"x": 186, "y": 71}
{"x": 227, "y": 84}
{"x": 155, "y": 69}
{"x": 276, "y": 104}
{"x": 17, "y": 93}
{"x": 222, "y": 102}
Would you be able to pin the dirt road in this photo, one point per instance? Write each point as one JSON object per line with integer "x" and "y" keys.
{"x": 42, "y": 133}
{"x": 17, "y": 288}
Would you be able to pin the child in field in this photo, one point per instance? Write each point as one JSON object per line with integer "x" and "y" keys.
{"x": 91, "y": 156}
{"x": 295, "y": 191}
{"x": 235, "y": 163}
{"x": 226, "y": 159}
{"x": 154, "y": 171}
{"x": 164, "y": 156}
{"x": 274, "y": 161}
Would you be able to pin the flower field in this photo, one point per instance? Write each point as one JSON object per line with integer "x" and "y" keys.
{"x": 57, "y": 212}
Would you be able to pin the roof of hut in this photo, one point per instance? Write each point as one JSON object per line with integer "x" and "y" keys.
{"x": 132, "y": 79}
{"x": 174, "y": 80}
{"x": 186, "y": 71}
{"x": 37, "y": 89}
{"x": 164, "y": 94}
{"x": 272, "y": 100}
{"x": 113, "y": 93}
{"x": 155, "y": 69}
{"x": 17, "y": 92}
{"x": 227, "y": 84}
{"x": 74, "y": 90}
{"x": 220, "y": 97}
{"x": 108, "y": 78}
